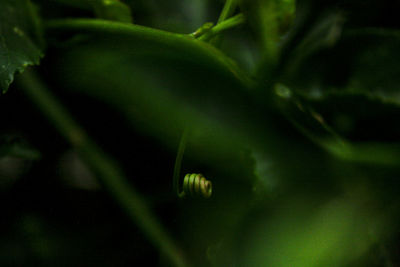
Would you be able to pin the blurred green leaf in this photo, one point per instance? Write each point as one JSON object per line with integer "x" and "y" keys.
{"x": 352, "y": 126}
{"x": 262, "y": 16}
{"x": 303, "y": 233}
{"x": 366, "y": 123}
{"x": 286, "y": 10}
{"x": 17, "y": 147}
{"x": 160, "y": 91}
{"x": 269, "y": 21}
{"x": 325, "y": 34}
{"x": 375, "y": 64}
{"x": 16, "y": 156}
{"x": 75, "y": 3}
{"x": 18, "y": 26}
{"x": 345, "y": 93}
{"x": 358, "y": 115}
{"x": 112, "y": 10}
{"x": 343, "y": 66}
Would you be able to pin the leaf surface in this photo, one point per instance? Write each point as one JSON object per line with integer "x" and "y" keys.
{"x": 18, "y": 27}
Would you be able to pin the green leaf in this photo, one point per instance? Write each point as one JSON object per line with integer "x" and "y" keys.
{"x": 18, "y": 26}
{"x": 163, "y": 83}
{"x": 304, "y": 233}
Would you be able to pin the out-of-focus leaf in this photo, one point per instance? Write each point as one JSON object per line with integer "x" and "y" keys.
{"x": 303, "y": 233}
{"x": 16, "y": 156}
{"x": 367, "y": 153}
{"x": 160, "y": 88}
{"x": 351, "y": 126}
{"x": 17, "y": 147}
{"x": 115, "y": 10}
{"x": 75, "y": 3}
{"x": 324, "y": 35}
{"x": 346, "y": 66}
{"x": 301, "y": 114}
{"x": 367, "y": 124}
{"x": 162, "y": 97}
{"x": 161, "y": 91}
{"x": 174, "y": 15}
{"x": 358, "y": 116}
{"x": 268, "y": 18}
{"x": 112, "y": 10}
{"x": 323, "y": 49}
{"x": 352, "y": 88}
{"x": 18, "y": 26}
{"x": 75, "y": 173}
{"x": 262, "y": 15}
{"x": 375, "y": 64}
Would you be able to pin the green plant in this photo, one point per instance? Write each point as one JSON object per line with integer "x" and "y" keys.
{"x": 194, "y": 184}
{"x": 291, "y": 108}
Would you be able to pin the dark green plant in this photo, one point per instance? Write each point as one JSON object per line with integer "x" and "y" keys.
{"x": 291, "y": 109}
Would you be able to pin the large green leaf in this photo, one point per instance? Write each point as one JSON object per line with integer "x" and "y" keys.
{"x": 18, "y": 26}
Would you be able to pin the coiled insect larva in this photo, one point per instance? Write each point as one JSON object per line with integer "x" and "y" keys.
{"x": 194, "y": 184}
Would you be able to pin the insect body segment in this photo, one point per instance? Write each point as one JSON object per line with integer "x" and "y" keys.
{"x": 195, "y": 184}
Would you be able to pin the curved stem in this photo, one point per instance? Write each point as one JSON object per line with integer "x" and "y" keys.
{"x": 229, "y": 8}
{"x": 178, "y": 163}
{"x": 223, "y": 26}
{"x": 107, "y": 170}
{"x": 183, "y": 42}
{"x": 227, "y": 11}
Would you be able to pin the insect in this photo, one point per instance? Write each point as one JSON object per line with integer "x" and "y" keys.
{"x": 194, "y": 184}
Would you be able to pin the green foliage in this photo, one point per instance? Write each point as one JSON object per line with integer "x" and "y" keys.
{"x": 302, "y": 147}
{"x": 111, "y": 10}
{"x": 18, "y": 49}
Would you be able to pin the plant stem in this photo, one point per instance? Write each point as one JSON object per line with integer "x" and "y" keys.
{"x": 227, "y": 11}
{"x": 185, "y": 43}
{"x": 178, "y": 162}
{"x": 225, "y": 25}
{"x": 106, "y": 169}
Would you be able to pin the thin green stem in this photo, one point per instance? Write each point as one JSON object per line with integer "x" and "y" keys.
{"x": 106, "y": 169}
{"x": 223, "y": 26}
{"x": 185, "y": 43}
{"x": 227, "y": 11}
{"x": 178, "y": 162}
